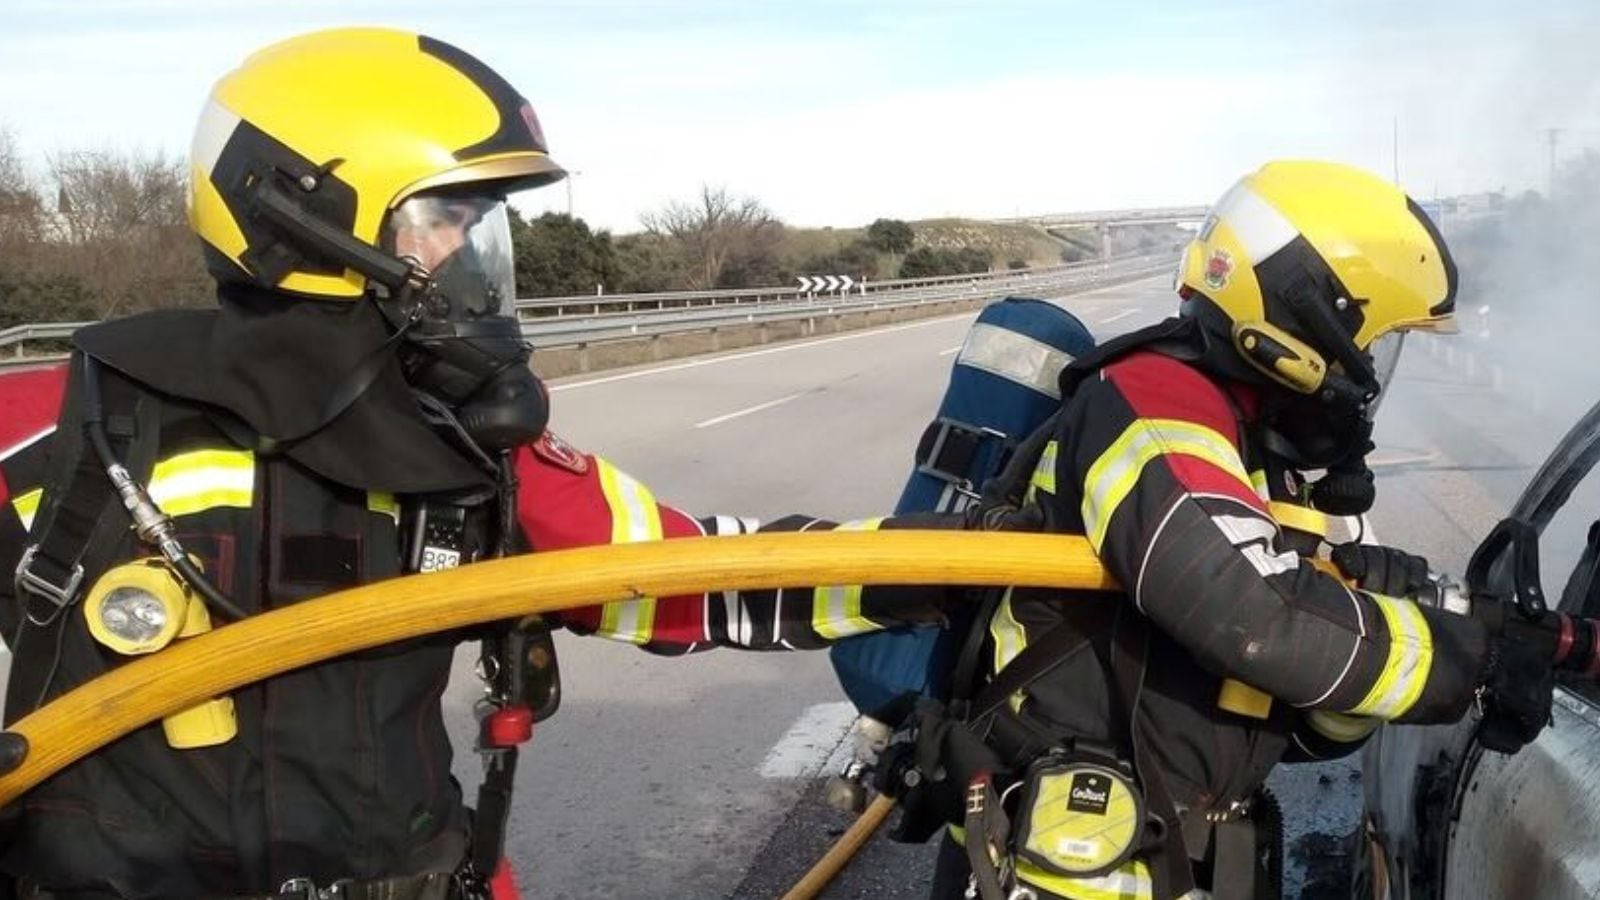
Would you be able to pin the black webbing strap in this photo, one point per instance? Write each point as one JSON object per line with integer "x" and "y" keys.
{"x": 80, "y": 522}
{"x": 493, "y": 811}
{"x": 1009, "y": 486}
{"x": 948, "y": 448}
{"x": 1040, "y": 657}
{"x": 964, "y": 677}
{"x": 1170, "y": 873}
{"x": 507, "y": 646}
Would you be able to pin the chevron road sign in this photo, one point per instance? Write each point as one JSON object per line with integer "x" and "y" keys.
{"x": 813, "y": 284}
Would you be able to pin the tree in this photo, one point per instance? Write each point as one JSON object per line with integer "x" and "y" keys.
{"x": 647, "y": 263}
{"x": 105, "y": 196}
{"x": 723, "y": 237}
{"x": 927, "y": 262}
{"x": 557, "y": 255}
{"x": 121, "y": 230}
{"x": 923, "y": 262}
{"x": 858, "y": 259}
{"x": 21, "y": 209}
{"x": 891, "y": 236}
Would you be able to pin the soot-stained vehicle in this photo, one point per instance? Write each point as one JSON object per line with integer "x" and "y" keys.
{"x": 1445, "y": 818}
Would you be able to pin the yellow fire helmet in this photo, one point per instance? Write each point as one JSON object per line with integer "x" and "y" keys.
{"x": 1310, "y": 268}
{"x": 303, "y": 151}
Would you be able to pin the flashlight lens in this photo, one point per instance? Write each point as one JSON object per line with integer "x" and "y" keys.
{"x": 133, "y": 615}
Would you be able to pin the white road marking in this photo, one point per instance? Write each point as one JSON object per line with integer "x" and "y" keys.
{"x": 695, "y": 364}
{"x": 718, "y": 420}
{"x": 810, "y": 741}
{"x": 1121, "y": 315}
{"x": 1378, "y": 461}
{"x": 954, "y": 349}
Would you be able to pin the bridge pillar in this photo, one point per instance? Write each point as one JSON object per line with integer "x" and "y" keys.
{"x": 1105, "y": 240}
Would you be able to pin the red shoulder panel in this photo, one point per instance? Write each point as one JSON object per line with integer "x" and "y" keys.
{"x": 1160, "y": 387}
{"x": 30, "y": 401}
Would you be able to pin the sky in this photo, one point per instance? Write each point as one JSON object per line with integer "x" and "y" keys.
{"x": 837, "y": 113}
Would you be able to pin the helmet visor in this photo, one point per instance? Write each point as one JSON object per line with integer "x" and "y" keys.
{"x": 464, "y": 242}
{"x": 1385, "y": 352}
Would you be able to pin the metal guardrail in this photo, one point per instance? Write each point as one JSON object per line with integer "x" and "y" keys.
{"x": 601, "y": 304}
{"x": 18, "y": 337}
{"x": 574, "y": 331}
{"x": 623, "y": 316}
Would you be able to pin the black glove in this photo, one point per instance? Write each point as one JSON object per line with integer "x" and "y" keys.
{"x": 1382, "y": 570}
{"x": 1005, "y": 517}
{"x": 1517, "y": 691}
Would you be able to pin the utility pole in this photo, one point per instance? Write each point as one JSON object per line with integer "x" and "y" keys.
{"x": 571, "y": 174}
{"x": 1553, "y": 135}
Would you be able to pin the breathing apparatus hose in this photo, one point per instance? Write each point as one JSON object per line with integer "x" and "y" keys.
{"x": 152, "y": 525}
{"x": 262, "y": 646}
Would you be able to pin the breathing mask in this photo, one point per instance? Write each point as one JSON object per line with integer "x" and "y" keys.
{"x": 1313, "y": 433}
{"x": 462, "y": 344}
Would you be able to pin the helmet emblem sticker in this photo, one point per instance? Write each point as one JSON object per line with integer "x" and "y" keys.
{"x": 531, "y": 120}
{"x": 1218, "y": 268}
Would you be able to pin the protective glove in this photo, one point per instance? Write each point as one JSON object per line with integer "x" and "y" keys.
{"x": 1382, "y": 570}
{"x": 1518, "y": 687}
{"x": 1005, "y": 517}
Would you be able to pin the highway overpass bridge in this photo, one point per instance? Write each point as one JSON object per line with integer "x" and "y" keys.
{"x": 1106, "y": 220}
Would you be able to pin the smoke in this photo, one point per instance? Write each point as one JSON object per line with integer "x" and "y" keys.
{"x": 1491, "y": 403}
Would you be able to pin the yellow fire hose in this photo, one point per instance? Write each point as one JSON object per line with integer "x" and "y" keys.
{"x": 843, "y": 850}
{"x": 147, "y": 689}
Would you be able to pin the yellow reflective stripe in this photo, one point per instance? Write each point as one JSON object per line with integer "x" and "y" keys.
{"x": 204, "y": 479}
{"x": 634, "y": 518}
{"x": 1341, "y": 728}
{"x": 1129, "y": 881}
{"x": 384, "y": 504}
{"x": 836, "y": 609}
{"x": 1112, "y": 477}
{"x": 1410, "y": 658}
{"x": 1296, "y": 517}
{"x": 27, "y": 506}
{"x": 1258, "y": 480}
{"x": 1010, "y": 637}
{"x": 1044, "y": 473}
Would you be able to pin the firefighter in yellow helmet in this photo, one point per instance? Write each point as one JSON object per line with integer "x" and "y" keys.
{"x": 359, "y": 406}
{"x": 1115, "y": 746}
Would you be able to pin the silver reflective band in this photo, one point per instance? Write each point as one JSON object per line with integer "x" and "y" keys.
{"x": 1015, "y": 357}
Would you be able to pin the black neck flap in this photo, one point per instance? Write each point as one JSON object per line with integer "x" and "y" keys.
{"x": 272, "y": 363}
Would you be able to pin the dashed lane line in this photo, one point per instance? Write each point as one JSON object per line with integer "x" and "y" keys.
{"x": 727, "y": 417}
{"x": 804, "y": 750}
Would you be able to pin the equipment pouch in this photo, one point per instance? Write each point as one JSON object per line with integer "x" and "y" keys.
{"x": 1081, "y": 814}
